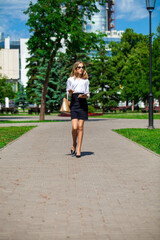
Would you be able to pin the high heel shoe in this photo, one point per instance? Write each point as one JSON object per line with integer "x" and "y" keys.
{"x": 78, "y": 156}
{"x": 73, "y": 152}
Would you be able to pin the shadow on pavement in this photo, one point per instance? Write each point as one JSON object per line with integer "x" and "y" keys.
{"x": 82, "y": 154}
{"x": 10, "y": 118}
{"x": 7, "y": 118}
{"x": 86, "y": 153}
{"x": 97, "y": 119}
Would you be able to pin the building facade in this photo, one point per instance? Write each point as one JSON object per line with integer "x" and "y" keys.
{"x": 104, "y": 20}
{"x": 9, "y": 63}
{"x": 14, "y": 53}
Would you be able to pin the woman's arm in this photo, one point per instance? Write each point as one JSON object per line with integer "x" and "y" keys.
{"x": 86, "y": 91}
{"x": 68, "y": 88}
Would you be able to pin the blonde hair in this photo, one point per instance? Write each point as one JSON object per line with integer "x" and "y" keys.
{"x": 74, "y": 72}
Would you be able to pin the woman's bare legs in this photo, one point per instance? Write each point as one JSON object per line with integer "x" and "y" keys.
{"x": 74, "y": 133}
{"x": 80, "y": 136}
{"x": 77, "y": 130}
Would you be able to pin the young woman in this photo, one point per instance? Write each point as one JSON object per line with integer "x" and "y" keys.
{"x": 78, "y": 89}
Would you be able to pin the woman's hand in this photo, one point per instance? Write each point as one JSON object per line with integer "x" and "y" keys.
{"x": 82, "y": 96}
{"x": 70, "y": 91}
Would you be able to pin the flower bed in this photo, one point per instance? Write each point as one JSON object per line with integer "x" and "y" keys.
{"x": 95, "y": 114}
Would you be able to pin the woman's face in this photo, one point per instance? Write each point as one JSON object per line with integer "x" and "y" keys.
{"x": 80, "y": 68}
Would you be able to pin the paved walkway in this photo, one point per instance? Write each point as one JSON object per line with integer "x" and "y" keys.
{"x": 111, "y": 193}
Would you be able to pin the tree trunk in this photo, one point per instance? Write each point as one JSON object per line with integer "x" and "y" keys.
{"x": 45, "y": 85}
{"x": 126, "y": 102}
{"x": 132, "y": 105}
{"x": 146, "y": 103}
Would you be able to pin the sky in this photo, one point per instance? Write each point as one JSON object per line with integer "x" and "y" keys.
{"x": 128, "y": 14}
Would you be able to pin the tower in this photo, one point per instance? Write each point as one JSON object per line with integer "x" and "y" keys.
{"x": 104, "y": 20}
{"x": 111, "y": 15}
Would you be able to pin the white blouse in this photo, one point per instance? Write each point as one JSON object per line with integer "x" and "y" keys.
{"x": 78, "y": 85}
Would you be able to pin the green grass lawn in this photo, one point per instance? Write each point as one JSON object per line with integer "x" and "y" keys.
{"x": 128, "y": 115}
{"x": 149, "y": 138}
{"x": 8, "y": 134}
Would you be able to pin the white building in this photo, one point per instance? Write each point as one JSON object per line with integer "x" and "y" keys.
{"x": 23, "y": 56}
{"x": 13, "y": 57}
{"x": 9, "y": 62}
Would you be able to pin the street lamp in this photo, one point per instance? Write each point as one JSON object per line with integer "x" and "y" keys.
{"x": 150, "y": 5}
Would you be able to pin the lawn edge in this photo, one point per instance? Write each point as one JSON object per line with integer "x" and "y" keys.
{"x": 17, "y": 137}
{"x": 147, "y": 149}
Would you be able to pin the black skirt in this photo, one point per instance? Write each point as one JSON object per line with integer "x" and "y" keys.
{"x": 79, "y": 107}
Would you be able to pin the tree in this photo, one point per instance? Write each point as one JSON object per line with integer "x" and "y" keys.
{"x": 53, "y": 91}
{"x": 104, "y": 83}
{"x": 32, "y": 66}
{"x": 21, "y": 99}
{"x": 60, "y": 71}
{"x": 135, "y": 74}
{"x": 5, "y": 89}
{"x": 130, "y": 63}
{"x": 156, "y": 64}
{"x": 50, "y": 22}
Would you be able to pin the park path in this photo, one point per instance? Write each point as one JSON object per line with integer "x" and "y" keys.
{"x": 111, "y": 193}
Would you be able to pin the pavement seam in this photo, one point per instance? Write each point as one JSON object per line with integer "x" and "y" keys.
{"x": 156, "y": 154}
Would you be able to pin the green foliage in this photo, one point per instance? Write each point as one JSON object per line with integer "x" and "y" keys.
{"x": 32, "y": 66}
{"x": 49, "y": 23}
{"x": 52, "y": 22}
{"x": 91, "y": 109}
{"x": 53, "y": 91}
{"x": 131, "y": 60}
{"x": 60, "y": 71}
{"x": 21, "y": 99}
{"x": 104, "y": 81}
{"x": 146, "y": 137}
{"x": 156, "y": 64}
{"x": 135, "y": 73}
{"x": 5, "y": 89}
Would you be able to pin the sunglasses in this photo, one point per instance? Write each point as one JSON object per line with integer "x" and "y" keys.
{"x": 81, "y": 67}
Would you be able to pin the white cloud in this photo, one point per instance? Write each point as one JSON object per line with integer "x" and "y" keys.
{"x": 14, "y": 8}
{"x": 131, "y": 9}
{"x": 11, "y": 15}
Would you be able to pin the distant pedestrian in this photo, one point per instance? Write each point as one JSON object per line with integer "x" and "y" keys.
{"x": 78, "y": 89}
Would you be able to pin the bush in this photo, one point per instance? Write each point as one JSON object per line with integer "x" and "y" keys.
{"x": 91, "y": 109}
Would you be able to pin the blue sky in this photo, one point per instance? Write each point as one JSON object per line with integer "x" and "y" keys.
{"x": 129, "y": 14}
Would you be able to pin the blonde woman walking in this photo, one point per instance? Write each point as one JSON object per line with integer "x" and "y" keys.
{"x": 78, "y": 89}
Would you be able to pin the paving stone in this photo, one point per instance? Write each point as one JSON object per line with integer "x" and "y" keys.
{"x": 111, "y": 192}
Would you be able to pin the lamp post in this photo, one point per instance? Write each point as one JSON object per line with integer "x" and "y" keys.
{"x": 150, "y": 5}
